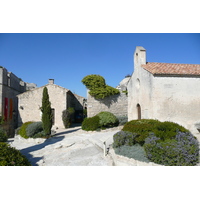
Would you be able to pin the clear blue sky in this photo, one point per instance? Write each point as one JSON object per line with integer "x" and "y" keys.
{"x": 69, "y": 57}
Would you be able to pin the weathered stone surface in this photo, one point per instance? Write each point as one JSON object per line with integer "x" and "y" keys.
{"x": 116, "y": 104}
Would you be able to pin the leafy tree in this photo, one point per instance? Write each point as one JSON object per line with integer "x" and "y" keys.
{"x": 46, "y": 112}
{"x": 97, "y": 86}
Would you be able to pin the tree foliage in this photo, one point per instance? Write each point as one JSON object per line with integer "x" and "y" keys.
{"x": 46, "y": 112}
{"x": 97, "y": 86}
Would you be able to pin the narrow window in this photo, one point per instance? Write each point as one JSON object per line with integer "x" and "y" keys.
{"x": 139, "y": 111}
{"x": 53, "y": 115}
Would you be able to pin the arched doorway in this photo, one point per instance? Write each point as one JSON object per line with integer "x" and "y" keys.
{"x": 139, "y": 111}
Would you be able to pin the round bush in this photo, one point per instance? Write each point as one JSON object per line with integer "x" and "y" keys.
{"x": 107, "y": 119}
{"x": 10, "y": 156}
{"x": 90, "y": 123}
{"x": 34, "y": 128}
{"x": 181, "y": 151}
{"x": 22, "y": 130}
{"x": 3, "y": 135}
{"x": 163, "y": 130}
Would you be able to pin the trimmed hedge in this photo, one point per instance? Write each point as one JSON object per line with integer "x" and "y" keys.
{"x": 107, "y": 119}
{"x": 10, "y": 156}
{"x": 90, "y": 123}
{"x": 163, "y": 130}
{"x": 100, "y": 121}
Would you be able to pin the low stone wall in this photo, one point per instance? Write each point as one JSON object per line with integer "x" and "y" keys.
{"x": 116, "y": 104}
{"x": 124, "y": 161}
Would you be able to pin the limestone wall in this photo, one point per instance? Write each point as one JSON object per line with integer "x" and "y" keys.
{"x": 116, "y": 104}
{"x": 177, "y": 99}
{"x": 31, "y": 101}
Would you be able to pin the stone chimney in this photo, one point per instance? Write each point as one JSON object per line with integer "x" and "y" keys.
{"x": 51, "y": 81}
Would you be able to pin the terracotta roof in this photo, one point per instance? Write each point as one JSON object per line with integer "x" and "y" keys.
{"x": 172, "y": 69}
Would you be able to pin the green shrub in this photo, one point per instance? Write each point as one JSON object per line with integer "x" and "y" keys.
{"x": 3, "y": 135}
{"x": 67, "y": 117}
{"x": 91, "y": 123}
{"x": 141, "y": 127}
{"x": 123, "y": 138}
{"x": 183, "y": 150}
{"x": 119, "y": 139}
{"x": 10, "y": 156}
{"x": 122, "y": 120}
{"x": 22, "y": 130}
{"x": 34, "y": 128}
{"x": 107, "y": 119}
{"x": 136, "y": 152}
{"x": 97, "y": 86}
{"x": 168, "y": 130}
{"x": 94, "y": 81}
{"x": 103, "y": 92}
{"x": 41, "y": 134}
{"x": 163, "y": 130}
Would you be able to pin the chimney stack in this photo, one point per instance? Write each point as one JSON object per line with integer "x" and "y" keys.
{"x": 51, "y": 81}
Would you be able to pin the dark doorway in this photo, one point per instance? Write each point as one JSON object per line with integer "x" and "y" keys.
{"x": 139, "y": 111}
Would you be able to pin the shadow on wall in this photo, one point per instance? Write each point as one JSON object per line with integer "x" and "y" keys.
{"x": 108, "y": 101}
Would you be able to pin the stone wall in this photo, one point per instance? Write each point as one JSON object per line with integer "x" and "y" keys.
{"x": 10, "y": 87}
{"x": 61, "y": 98}
{"x": 116, "y": 104}
{"x": 30, "y": 103}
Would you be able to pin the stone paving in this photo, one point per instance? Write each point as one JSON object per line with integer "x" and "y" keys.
{"x": 68, "y": 147}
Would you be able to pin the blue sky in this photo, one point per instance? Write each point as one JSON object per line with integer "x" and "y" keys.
{"x": 69, "y": 57}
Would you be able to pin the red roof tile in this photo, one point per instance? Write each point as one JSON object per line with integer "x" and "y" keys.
{"x": 172, "y": 69}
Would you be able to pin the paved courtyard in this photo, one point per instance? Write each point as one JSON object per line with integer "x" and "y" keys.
{"x": 68, "y": 147}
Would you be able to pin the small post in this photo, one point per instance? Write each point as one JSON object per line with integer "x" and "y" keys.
{"x": 104, "y": 149}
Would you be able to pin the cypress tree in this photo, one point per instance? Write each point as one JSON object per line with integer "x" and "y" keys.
{"x": 46, "y": 112}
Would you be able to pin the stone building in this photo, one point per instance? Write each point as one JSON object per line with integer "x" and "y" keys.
{"x": 61, "y": 98}
{"x": 164, "y": 91}
{"x": 10, "y": 87}
{"x": 116, "y": 104}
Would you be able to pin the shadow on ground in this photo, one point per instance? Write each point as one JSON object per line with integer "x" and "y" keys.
{"x": 67, "y": 131}
{"x": 27, "y": 151}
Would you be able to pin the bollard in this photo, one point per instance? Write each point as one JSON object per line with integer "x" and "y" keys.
{"x": 104, "y": 149}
